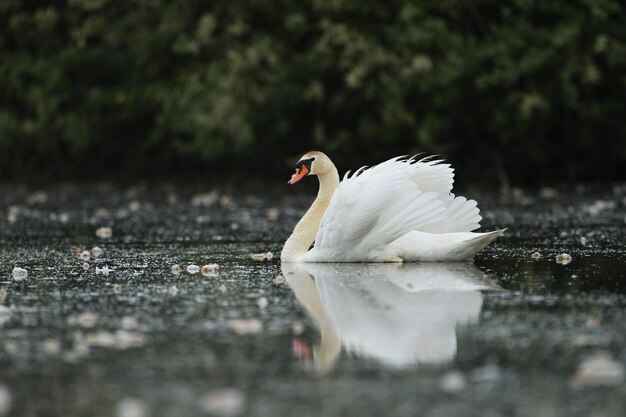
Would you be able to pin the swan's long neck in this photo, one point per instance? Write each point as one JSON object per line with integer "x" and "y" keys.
{"x": 304, "y": 233}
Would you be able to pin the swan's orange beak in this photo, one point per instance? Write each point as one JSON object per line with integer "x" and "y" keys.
{"x": 301, "y": 173}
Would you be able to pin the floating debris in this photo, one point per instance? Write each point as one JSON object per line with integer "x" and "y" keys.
{"x": 599, "y": 369}
{"x": 452, "y": 381}
{"x": 223, "y": 288}
{"x": 13, "y": 213}
{"x": 125, "y": 339}
{"x": 176, "y": 269}
{"x": 262, "y": 303}
{"x": 171, "y": 198}
{"x": 38, "y": 197}
{"x": 563, "y": 259}
{"x": 272, "y": 214}
{"x": 128, "y": 323}
{"x": 19, "y": 274}
{"x": 487, "y": 373}
{"x": 173, "y": 290}
{"x": 583, "y": 240}
{"x": 64, "y": 218}
{"x": 5, "y": 314}
{"x": 132, "y": 407}
{"x": 51, "y": 346}
{"x": 210, "y": 270}
{"x": 204, "y": 199}
{"x": 193, "y": 269}
{"x": 548, "y": 193}
{"x": 262, "y": 256}
{"x": 84, "y": 255}
{"x": 104, "y": 232}
{"x": 97, "y": 252}
{"x": 224, "y": 402}
{"x": 87, "y": 320}
{"x": 85, "y": 266}
{"x": 535, "y": 255}
{"x": 117, "y": 288}
{"x": 599, "y": 206}
{"x": 245, "y": 326}
{"x": 134, "y": 206}
{"x": 5, "y": 400}
{"x": 279, "y": 279}
{"x": 105, "y": 270}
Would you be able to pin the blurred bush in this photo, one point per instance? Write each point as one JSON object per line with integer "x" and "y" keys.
{"x": 523, "y": 91}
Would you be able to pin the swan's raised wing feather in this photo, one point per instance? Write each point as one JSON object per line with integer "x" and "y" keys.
{"x": 371, "y": 210}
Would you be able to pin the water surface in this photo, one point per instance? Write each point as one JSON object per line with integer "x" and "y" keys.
{"x": 506, "y": 335}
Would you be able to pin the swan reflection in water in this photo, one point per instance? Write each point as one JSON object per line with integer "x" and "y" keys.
{"x": 396, "y": 314}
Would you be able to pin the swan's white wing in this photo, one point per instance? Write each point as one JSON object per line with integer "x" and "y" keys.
{"x": 461, "y": 215}
{"x": 374, "y": 207}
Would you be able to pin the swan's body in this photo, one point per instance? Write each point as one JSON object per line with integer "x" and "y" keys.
{"x": 401, "y": 210}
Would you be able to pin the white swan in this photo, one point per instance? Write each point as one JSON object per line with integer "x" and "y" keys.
{"x": 396, "y": 314}
{"x": 401, "y": 210}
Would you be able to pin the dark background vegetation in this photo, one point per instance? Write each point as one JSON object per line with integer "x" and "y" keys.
{"x": 520, "y": 91}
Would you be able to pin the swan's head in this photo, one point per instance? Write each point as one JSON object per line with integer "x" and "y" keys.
{"x": 311, "y": 163}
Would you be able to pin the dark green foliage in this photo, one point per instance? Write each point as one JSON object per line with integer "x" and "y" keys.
{"x": 525, "y": 89}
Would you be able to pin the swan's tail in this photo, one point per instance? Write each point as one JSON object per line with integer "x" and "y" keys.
{"x": 475, "y": 244}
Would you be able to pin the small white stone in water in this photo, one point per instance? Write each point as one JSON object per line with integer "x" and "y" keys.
{"x": 535, "y": 255}
{"x": 104, "y": 232}
{"x": 64, "y": 218}
{"x": 5, "y": 400}
{"x": 583, "y": 240}
{"x": 224, "y": 402}
{"x": 210, "y": 270}
{"x": 193, "y": 269}
{"x": 279, "y": 279}
{"x": 97, "y": 252}
{"x": 172, "y": 290}
{"x": 85, "y": 266}
{"x": 87, "y": 320}
{"x": 51, "y": 346}
{"x": 563, "y": 259}
{"x": 176, "y": 269}
{"x": 104, "y": 270}
{"x": 452, "y": 381}
{"x": 19, "y": 274}
{"x": 132, "y": 407}
{"x": 599, "y": 369}
{"x": 85, "y": 255}
{"x": 5, "y": 314}
{"x": 223, "y": 288}
{"x": 262, "y": 303}
{"x": 245, "y": 326}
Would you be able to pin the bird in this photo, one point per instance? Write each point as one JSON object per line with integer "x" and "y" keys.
{"x": 401, "y": 210}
